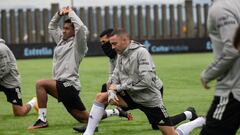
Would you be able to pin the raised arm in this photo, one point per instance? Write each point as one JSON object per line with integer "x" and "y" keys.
{"x": 81, "y": 32}
{"x": 54, "y": 29}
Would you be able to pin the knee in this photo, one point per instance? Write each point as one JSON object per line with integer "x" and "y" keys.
{"x": 101, "y": 97}
{"x": 18, "y": 113}
{"x": 40, "y": 84}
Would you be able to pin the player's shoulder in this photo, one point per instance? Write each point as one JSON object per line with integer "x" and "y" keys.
{"x": 137, "y": 46}
{"x": 3, "y": 46}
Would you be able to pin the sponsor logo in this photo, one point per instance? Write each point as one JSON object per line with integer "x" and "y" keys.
{"x": 165, "y": 48}
{"x": 14, "y": 101}
{"x": 161, "y": 122}
{"x": 44, "y": 51}
{"x": 209, "y": 45}
{"x": 67, "y": 84}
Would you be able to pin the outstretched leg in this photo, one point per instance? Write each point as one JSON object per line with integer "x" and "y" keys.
{"x": 186, "y": 128}
{"x": 189, "y": 114}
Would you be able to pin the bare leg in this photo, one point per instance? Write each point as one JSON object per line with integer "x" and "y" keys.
{"x": 167, "y": 130}
{"x": 81, "y": 116}
{"x": 44, "y": 87}
{"x": 21, "y": 110}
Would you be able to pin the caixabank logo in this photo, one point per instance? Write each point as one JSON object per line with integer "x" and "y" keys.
{"x": 178, "y": 45}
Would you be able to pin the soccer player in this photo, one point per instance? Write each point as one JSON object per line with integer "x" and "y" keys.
{"x": 10, "y": 82}
{"x": 68, "y": 54}
{"x": 112, "y": 55}
{"x": 223, "y": 117}
{"x": 133, "y": 85}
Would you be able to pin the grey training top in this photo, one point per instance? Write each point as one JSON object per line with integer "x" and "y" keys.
{"x": 9, "y": 76}
{"x": 68, "y": 54}
{"x": 135, "y": 73}
{"x": 223, "y": 20}
{"x": 112, "y": 65}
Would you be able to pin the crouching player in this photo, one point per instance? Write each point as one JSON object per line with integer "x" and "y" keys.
{"x": 10, "y": 82}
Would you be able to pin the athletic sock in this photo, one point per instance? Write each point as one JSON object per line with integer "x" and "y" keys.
{"x": 32, "y": 102}
{"x": 112, "y": 112}
{"x": 178, "y": 118}
{"x": 95, "y": 116}
{"x": 42, "y": 113}
{"x": 186, "y": 128}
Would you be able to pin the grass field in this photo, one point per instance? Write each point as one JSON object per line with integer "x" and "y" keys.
{"x": 179, "y": 72}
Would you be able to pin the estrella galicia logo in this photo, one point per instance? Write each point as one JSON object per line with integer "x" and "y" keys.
{"x": 42, "y": 51}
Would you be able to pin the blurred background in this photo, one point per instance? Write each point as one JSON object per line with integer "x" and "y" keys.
{"x": 163, "y": 26}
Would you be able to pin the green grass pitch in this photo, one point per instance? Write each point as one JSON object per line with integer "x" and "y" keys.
{"x": 179, "y": 72}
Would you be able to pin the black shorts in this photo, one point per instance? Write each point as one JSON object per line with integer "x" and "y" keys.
{"x": 13, "y": 95}
{"x": 69, "y": 96}
{"x": 161, "y": 91}
{"x": 223, "y": 117}
{"x": 104, "y": 87}
{"x": 155, "y": 115}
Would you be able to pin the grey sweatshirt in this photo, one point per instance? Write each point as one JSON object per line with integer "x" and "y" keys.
{"x": 68, "y": 54}
{"x": 135, "y": 73}
{"x": 9, "y": 76}
{"x": 112, "y": 65}
{"x": 223, "y": 20}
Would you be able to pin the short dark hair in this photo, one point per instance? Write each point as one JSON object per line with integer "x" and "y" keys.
{"x": 69, "y": 21}
{"x": 120, "y": 32}
{"x": 236, "y": 41}
{"x": 107, "y": 32}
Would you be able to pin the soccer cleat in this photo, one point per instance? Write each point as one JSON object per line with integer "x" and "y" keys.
{"x": 193, "y": 111}
{"x": 83, "y": 128}
{"x": 125, "y": 114}
{"x": 39, "y": 124}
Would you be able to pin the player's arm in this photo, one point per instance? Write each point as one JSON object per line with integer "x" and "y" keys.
{"x": 112, "y": 81}
{"x": 112, "y": 65}
{"x": 146, "y": 74}
{"x": 81, "y": 32}
{"x": 54, "y": 29}
{"x": 4, "y": 68}
{"x": 114, "y": 78}
{"x": 227, "y": 24}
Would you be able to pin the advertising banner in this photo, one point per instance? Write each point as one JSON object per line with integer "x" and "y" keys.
{"x": 45, "y": 50}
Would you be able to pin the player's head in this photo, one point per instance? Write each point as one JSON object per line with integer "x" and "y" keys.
{"x": 105, "y": 44}
{"x": 68, "y": 29}
{"x": 119, "y": 40}
{"x": 104, "y": 36}
{"x": 236, "y": 41}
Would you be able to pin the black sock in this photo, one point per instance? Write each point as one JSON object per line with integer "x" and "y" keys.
{"x": 176, "y": 119}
